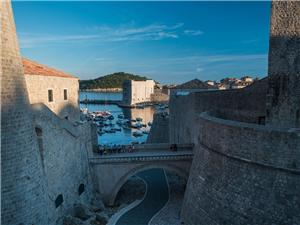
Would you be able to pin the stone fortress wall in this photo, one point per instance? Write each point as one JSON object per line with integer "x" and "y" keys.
{"x": 159, "y": 132}
{"x": 245, "y": 105}
{"x": 22, "y": 187}
{"x": 137, "y": 91}
{"x": 159, "y": 96}
{"x": 38, "y": 86}
{"x": 283, "y": 106}
{"x": 63, "y": 149}
{"x": 44, "y": 162}
{"x": 246, "y": 167}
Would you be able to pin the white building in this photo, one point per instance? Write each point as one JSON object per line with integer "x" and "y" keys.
{"x": 137, "y": 91}
{"x": 53, "y": 88}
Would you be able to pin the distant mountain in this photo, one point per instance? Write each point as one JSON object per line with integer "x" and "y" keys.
{"x": 114, "y": 80}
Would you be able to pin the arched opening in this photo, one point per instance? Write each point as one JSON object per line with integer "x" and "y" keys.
{"x": 134, "y": 172}
{"x": 165, "y": 187}
{"x": 59, "y": 200}
{"x": 81, "y": 189}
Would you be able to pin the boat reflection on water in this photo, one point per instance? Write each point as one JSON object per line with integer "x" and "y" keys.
{"x": 124, "y": 130}
{"x": 134, "y": 126}
{"x": 125, "y": 125}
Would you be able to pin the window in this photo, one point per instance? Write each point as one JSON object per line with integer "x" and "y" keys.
{"x": 59, "y": 200}
{"x": 262, "y": 120}
{"x": 80, "y": 189}
{"x": 65, "y": 94}
{"x": 39, "y": 134}
{"x": 50, "y": 95}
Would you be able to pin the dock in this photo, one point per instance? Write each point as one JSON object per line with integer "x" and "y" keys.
{"x": 97, "y": 101}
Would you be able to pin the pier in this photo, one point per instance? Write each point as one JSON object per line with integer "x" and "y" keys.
{"x": 97, "y": 101}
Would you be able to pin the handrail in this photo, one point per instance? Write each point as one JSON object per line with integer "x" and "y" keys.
{"x": 103, "y": 160}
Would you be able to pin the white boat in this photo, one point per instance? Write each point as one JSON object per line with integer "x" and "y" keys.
{"x": 120, "y": 122}
{"x": 108, "y": 130}
{"x": 137, "y": 133}
{"x": 84, "y": 111}
{"x": 121, "y": 116}
{"x": 140, "y": 107}
{"x": 126, "y": 127}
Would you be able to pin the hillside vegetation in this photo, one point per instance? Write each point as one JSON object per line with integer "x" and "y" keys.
{"x": 114, "y": 80}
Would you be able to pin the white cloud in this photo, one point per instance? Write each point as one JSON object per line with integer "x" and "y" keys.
{"x": 122, "y": 33}
{"x": 193, "y": 32}
{"x": 199, "y": 69}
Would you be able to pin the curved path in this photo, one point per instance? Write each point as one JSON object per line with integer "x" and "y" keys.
{"x": 156, "y": 197}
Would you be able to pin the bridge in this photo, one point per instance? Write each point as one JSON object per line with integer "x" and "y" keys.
{"x": 111, "y": 171}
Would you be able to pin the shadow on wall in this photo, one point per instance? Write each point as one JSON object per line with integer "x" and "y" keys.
{"x": 63, "y": 148}
{"x": 284, "y": 82}
{"x": 70, "y": 112}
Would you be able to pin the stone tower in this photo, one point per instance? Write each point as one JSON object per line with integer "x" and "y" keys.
{"x": 21, "y": 174}
{"x": 283, "y": 103}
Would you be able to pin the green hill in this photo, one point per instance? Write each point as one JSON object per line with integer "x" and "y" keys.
{"x": 114, "y": 80}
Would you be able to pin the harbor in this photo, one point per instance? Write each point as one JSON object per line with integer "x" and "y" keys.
{"x": 118, "y": 125}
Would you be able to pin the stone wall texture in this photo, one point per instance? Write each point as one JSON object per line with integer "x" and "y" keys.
{"x": 22, "y": 200}
{"x": 245, "y": 105}
{"x": 159, "y": 96}
{"x": 283, "y": 107}
{"x": 42, "y": 155}
{"x": 63, "y": 148}
{"x": 135, "y": 92}
{"x": 243, "y": 174}
{"x": 38, "y": 86}
{"x": 159, "y": 132}
{"x": 246, "y": 170}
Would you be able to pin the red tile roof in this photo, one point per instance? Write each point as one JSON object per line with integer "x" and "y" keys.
{"x": 34, "y": 68}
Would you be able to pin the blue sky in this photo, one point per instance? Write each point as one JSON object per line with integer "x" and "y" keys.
{"x": 171, "y": 42}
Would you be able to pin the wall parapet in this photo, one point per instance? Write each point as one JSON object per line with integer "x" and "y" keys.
{"x": 143, "y": 158}
{"x": 41, "y": 110}
{"x": 264, "y": 145}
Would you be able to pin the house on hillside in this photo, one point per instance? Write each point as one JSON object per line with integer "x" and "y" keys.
{"x": 191, "y": 86}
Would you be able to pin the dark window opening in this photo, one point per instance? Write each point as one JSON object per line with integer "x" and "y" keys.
{"x": 81, "y": 189}
{"x": 262, "y": 120}
{"x": 59, "y": 200}
{"x": 66, "y": 117}
{"x": 39, "y": 134}
{"x": 65, "y": 94}
{"x": 50, "y": 95}
{"x": 38, "y": 131}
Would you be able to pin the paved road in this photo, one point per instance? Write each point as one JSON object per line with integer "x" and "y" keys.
{"x": 156, "y": 197}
